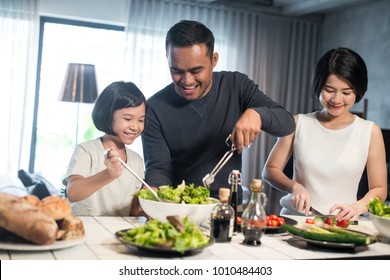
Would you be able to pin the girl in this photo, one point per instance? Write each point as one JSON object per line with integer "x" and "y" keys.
{"x": 97, "y": 185}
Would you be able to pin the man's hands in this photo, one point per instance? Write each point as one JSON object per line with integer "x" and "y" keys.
{"x": 246, "y": 129}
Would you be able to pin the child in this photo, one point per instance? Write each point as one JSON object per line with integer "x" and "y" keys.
{"x": 99, "y": 186}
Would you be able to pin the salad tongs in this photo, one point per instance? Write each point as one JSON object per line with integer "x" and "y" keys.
{"x": 209, "y": 178}
{"x": 136, "y": 175}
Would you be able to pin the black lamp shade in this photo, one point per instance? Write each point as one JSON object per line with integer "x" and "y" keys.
{"x": 79, "y": 84}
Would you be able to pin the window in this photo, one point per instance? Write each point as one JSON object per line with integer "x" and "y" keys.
{"x": 54, "y": 129}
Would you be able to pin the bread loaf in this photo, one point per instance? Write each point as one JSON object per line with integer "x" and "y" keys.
{"x": 56, "y": 207}
{"x": 26, "y": 220}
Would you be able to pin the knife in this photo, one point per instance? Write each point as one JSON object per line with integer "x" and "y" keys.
{"x": 317, "y": 213}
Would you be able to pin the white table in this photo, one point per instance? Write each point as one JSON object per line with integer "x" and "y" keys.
{"x": 100, "y": 244}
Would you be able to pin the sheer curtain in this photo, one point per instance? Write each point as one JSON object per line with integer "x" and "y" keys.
{"x": 17, "y": 48}
{"x": 276, "y": 52}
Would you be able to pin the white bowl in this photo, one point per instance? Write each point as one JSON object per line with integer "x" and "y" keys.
{"x": 382, "y": 224}
{"x": 197, "y": 213}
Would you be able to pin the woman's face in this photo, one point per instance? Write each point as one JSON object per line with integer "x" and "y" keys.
{"x": 128, "y": 123}
{"x": 191, "y": 70}
{"x": 337, "y": 96}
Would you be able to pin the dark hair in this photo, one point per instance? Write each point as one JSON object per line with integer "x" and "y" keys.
{"x": 187, "y": 33}
{"x": 115, "y": 96}
{"x": 345, "y": 64}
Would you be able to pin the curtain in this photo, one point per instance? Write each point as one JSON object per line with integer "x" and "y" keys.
{"x": 278, "y": 53}
{"x": 17, "y": 18}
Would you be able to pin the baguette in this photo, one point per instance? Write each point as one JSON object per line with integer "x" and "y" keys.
{"x": 26, "y": 220}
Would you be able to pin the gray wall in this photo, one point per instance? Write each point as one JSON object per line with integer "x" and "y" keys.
{"x": 366, "y": 30}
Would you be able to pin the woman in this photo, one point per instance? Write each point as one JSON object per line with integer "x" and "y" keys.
{"x": 331, "y": 147}
{"x": 97, "y": 185}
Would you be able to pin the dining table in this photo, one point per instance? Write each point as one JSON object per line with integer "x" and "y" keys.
{"x": 100, "y": 243}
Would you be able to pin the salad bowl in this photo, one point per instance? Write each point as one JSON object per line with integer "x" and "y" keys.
{"x": 198, "y": 213}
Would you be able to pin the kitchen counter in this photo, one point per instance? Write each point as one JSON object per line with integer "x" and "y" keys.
{"x": 100, "y": 244}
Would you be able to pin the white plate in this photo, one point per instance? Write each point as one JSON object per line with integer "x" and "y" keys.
{"x": 9, "y": 241}
{"x": 35, "y": 247}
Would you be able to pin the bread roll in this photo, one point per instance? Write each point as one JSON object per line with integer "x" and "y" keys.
{"x": 71, "y": 227}
{"x": 56, "y": 207}
{"x": 26, "y": 221}
{"x": 31, "y": 199}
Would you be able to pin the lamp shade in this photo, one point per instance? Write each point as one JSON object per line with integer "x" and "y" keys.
{"x": 79, "y": 84}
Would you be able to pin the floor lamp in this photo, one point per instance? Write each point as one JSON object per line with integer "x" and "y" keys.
{"x": 79, "y": 86}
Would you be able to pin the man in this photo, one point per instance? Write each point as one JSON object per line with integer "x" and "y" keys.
{"x": 189, "y": 120}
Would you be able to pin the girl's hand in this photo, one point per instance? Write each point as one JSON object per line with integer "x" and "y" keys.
{"x": 114, "y": 166}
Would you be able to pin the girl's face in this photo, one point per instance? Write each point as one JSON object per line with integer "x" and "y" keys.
{"x": 337, "y": 96}
{"x": 128, "y": 123}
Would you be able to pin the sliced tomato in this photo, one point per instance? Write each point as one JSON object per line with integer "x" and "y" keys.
{"x": 342, "y": 223}
{"x": 310, "y": 221}
{"x": 329, "y": 221}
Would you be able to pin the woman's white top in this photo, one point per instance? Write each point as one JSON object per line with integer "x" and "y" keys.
{"x": 114, "y": 199}
{"x": 329, "y": 163}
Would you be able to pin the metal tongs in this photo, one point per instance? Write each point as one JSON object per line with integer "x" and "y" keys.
{"x": 209, "y": 178}
{"x": 135, "y": 175}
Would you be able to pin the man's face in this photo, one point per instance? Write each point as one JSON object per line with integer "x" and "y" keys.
{"x": 191, "y": 70}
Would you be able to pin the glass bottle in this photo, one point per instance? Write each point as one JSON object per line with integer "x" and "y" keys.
{"x": 234, "y": 181}
{"x": 222, "y": 217}
{"x": 254, "y": 217}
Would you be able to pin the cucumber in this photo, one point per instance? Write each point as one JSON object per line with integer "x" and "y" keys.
{"x": 357, "y": 239}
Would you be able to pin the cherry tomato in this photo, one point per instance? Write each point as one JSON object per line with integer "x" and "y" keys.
{"x": 238, "y": 220}
{"x": 275, "y": 223}
{"x": 281, "y": 221}
{"x": 310, "y": 221}
{"x": 273, "y": 217}
{"x": 342, "y": 223}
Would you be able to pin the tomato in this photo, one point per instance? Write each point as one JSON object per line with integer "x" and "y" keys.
{"x": 310, "y": 221}
{"x": 238, "y": 220}
{"x": 267, "y": 218}
{"x": 329, "y": 221}
{"x": 342, "y": 223}
{"x": 281, "y": 221}
{"x": 269, "y": 223}
{"x": 273, "y": 217}
{"x": 275, "y": 223}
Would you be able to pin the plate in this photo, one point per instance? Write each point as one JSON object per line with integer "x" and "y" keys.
{"x": 328, "y": 244}
{"x": 10, "y": 241}
{"x": 160, "y": 250}
{"x": 277, "y": 229}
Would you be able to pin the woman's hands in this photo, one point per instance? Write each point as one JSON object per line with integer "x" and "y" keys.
{"x": 349, "y": 212}
{"x": 300, "y": 198}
